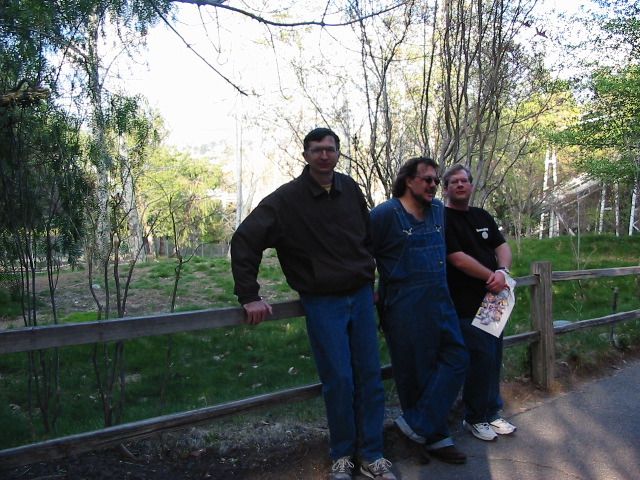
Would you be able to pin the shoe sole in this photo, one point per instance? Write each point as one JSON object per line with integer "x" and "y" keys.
{"x": 367, "y": 474}
{"x": 502, "y": 432}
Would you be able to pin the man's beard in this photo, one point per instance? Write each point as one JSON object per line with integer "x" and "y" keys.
{"x": 421, "y": 200}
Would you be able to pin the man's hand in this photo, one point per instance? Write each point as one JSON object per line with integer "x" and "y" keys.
{"x": 497, "y": 281}
{"x": 257, "y": 311}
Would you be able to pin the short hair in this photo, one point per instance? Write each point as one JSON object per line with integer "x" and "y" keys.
{"x": 453, "y": 170}
{"x": 408, "y": 170}
{"x": 317, "y": 134}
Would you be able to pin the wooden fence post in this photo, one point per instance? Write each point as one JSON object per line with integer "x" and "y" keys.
{"x": 543, "y": 353}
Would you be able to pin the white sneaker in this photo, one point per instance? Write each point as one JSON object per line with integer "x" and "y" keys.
{"x": 341, "y": 469}
{"x": 502, "y": 427}
{"x": 483, "y": 431}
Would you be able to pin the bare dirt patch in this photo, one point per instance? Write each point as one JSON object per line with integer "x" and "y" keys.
{"x": 73, "y": 295}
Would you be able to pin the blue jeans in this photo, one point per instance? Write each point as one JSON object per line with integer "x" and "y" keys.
{"x": 344, "y": 341}
{"x": 428, "y": 357}
{"x": 481, "y": 394}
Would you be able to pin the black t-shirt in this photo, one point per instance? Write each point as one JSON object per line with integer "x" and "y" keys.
{"x": 475, "y": 233}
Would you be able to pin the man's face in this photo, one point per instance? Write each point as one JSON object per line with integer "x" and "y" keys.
{"x": 424, "y": 184}
{"x": 322, "y": 156}
{"x": 459, "y": 188}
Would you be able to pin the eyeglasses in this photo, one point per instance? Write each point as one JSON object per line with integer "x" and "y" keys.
{"x": 429, "y": 179}
{"x": 319, "y": 150}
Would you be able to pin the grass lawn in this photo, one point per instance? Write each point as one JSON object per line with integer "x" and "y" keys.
{"x": 210, "y": 367}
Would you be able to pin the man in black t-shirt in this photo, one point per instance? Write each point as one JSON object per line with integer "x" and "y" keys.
{"x": 478, "y": 258}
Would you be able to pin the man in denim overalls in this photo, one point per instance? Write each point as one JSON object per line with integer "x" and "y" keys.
{"x": 428, "y": 355}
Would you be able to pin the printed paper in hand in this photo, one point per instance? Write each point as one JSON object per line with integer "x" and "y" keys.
{"x": 495, "y": 309}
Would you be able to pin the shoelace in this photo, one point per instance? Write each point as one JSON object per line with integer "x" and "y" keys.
{"x": 342, "y": 465}
{"x": 381, "y": 465}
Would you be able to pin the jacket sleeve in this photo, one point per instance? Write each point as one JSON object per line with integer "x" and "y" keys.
{"x": 256, "y": 233}
{"x": 364, "y": 211}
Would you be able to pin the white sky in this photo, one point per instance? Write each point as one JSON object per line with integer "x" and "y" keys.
{"x": 197, "y": 105}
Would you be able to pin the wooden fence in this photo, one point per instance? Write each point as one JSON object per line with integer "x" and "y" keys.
{"x": 541, "y": 341}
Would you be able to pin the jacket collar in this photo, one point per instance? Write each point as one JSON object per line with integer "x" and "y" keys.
{"x": 316, "y": 188}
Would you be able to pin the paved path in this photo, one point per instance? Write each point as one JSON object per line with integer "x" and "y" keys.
{"x": 592, "y": 432}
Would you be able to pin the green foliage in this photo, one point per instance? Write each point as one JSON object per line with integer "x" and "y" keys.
{"x": 24, "y": 29}
{"x": 609, "y": 130}
{"x": 179, "y": 193}
{"x": 622, "y": 25}
{"x": 577, "y": 300}
{"x": 44, "y": 186}
{"x": 597, "y": 251}
{"x": 10, "y": 305}
{"x": 219, "y": 365}
{"x": 80, "y": 317}
{"x": 133, "y": 129}
{"x": 518, "y": 203}
{"x": 612, "y": 115}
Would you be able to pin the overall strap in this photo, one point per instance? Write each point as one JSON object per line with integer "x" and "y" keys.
{"x": 402, "y": 217}
{"x": 407, "y": 229}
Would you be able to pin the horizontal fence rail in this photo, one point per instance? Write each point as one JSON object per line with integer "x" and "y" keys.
{"x": 597, "y": 322}
{"x": 561, "y": 276}
{"x": 64, "y": 335}
{"x": 90, "y": 441}
{"x": 53, "y": 336}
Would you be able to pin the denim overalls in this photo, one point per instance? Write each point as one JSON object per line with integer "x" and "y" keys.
{"x": 428, "y": 355}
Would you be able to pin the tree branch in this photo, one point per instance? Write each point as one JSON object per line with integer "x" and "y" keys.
{"x": 164, "y": 19}
{"x": 257, "y": 18}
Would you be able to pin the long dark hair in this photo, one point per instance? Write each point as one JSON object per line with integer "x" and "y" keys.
{"x": 409, "y": 170}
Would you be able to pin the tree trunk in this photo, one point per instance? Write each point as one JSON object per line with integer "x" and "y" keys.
{"x": 632, "y": 213}
{"x": 616, "y": 199}
{"x": 101, "y": 159}
{"x": 136, "y": 234}
{"x": 545, "y": 186}
{"x": 603, "y": 204}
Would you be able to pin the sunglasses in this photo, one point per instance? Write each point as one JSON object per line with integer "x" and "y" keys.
{"x": 429, "y": 179}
